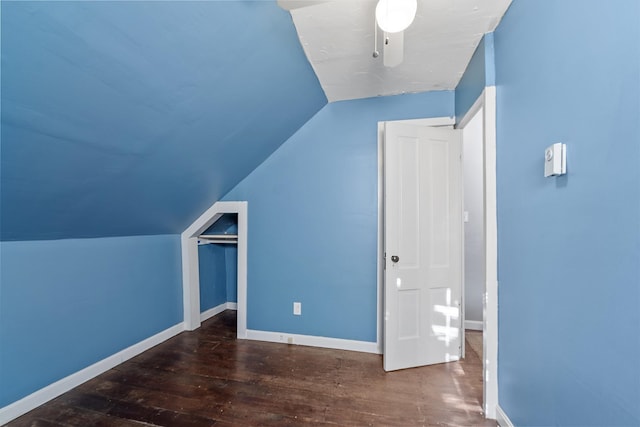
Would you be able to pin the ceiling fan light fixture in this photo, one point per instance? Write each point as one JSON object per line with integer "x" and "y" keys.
{"x": 394, "y": 16}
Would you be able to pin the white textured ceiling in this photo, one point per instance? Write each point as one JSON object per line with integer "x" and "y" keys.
{"x": 338, "y": 38}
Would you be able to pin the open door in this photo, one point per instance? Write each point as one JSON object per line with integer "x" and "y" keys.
{"x": 423, "y": 245}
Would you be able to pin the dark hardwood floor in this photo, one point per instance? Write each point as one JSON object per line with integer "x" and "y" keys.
{"x": 207, "y": 377}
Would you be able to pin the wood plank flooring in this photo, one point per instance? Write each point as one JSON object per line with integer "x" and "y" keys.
{"x": 207, "y": 377}
{"x": 474, "y": 341}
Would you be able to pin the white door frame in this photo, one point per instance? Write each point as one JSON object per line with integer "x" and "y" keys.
{"x": 190, "y": 265}
{"x": 486, "y": 101}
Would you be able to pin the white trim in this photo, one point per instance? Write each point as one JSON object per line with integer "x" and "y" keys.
{"x": 487, "y": 102}
{"x": 490, "y": 348}
{"x": 433, "y": 121}
{"x": 45, "y": 394}
{"x": 463, "y": 280}
{"x": 380, "y": 237}
{"x": 190, "y": 274}
{"x": 474, "y": 325}
{"x": 502, "y": 418}
{"x": 314, "y": 341}
{"x": 208, "y": 314}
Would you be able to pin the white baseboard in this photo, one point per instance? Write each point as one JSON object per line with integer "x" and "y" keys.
{"x": 474, "y": 325}
{"x": 502, "y": 418}
{"x": 313, "y": 341}
{"x": 37, "y": 398}
{"x": 217, "y": 310}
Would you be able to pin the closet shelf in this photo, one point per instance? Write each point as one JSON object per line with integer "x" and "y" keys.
{"x": 219, "y": 238}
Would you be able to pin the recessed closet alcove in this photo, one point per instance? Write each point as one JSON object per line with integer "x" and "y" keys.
{"x": 218, "y": 265}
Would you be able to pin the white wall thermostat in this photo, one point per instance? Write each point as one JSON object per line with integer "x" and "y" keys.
{"x": 555, "y": 160}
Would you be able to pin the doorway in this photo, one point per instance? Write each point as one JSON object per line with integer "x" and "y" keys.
{"x": 474, "y": 245}
{"x": 423, "y": 244}
{"x": 486, "y": 105}
{"x": 218, "y": 262}
{"x": 191, "y": 270}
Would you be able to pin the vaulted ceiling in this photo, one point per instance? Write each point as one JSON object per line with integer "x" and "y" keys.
{"x": 131, "y": 118}
{"x": 339, "y": 39}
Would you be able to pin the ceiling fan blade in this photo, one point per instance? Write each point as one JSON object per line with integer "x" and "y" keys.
{"x": 392, "y": 49}
{"x": 297, "y": 4}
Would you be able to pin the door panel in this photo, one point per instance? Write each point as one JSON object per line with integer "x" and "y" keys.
{"x": 423, "y": 229}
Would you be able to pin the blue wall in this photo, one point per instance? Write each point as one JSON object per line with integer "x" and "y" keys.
{"x": 480, "y": 72}
{"x": 212, "y": 266}
{"x": 67, "y": 304}
{"x": 569, "y": 247}
{"x": 218, "y": 266}
{"x": 313, "y": 220}
{"x": 115, "y": 110}
{"x": 231, "y": 260}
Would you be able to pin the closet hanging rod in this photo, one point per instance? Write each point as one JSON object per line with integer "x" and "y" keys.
{"x": 219, "y": 238}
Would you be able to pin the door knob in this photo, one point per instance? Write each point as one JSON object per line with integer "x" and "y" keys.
{"x": 395, "y": 258}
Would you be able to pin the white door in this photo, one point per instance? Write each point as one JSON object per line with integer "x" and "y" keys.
{"x": 423, "y": 245}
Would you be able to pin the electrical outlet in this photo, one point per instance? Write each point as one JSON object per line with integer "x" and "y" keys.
{"x": 297, "y": 308}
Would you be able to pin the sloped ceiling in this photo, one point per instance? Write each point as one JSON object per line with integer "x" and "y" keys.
{"x": 131, "y": 118}
{"x": 338, "y": 38}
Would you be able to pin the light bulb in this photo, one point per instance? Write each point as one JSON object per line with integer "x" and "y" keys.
{"x": 394, "y": 16}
